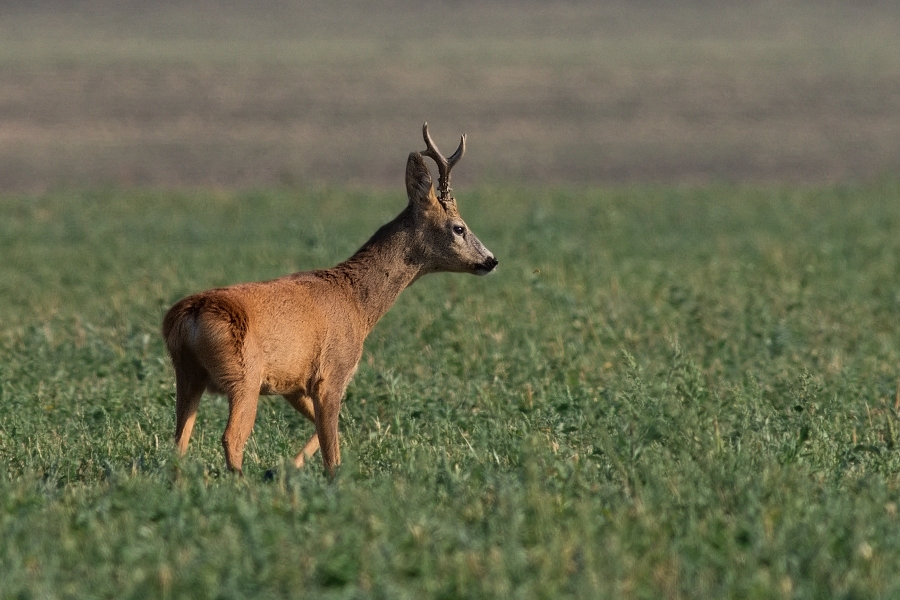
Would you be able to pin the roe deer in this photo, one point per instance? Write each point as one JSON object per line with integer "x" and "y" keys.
{"x": 301, "y": 336}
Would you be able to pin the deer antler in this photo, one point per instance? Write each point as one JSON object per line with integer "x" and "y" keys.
{"x": 444, "y": 164}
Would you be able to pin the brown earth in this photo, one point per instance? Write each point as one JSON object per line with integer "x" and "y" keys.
{"x": 190, "y": 94}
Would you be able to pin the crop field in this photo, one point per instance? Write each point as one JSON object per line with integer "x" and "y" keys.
{"x": 683, "y": 380}
{"x": 239, "y": 94}
{"x": 663, "y": 392}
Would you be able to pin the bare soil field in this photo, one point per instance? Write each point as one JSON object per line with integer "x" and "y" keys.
{"x": 176, "y": 94}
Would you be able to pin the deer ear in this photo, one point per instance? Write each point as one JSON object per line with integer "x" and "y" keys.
{"x": 419, "y": 186}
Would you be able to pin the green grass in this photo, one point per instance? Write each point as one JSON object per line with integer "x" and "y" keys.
{"x": 663, "y": 393}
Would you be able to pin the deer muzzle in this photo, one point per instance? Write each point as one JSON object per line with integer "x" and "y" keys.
{"x": 487, "y": 266}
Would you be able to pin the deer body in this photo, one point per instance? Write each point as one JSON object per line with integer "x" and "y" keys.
{"x": 301, "y": 336}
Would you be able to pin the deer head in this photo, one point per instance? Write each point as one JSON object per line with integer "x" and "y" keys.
{"x": 446, "y": 242}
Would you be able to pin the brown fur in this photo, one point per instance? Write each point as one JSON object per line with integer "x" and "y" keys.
{"x": 301, "y": 336}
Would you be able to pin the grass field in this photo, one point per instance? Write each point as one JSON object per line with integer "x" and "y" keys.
{"x": 682, "y": 382}
{"x": 665, "y": 392}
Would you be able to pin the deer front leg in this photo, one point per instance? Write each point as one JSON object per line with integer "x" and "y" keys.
{"x": 304, "y": 406}
{"x": 327, "y": 407}
{"x": 311, "y": 447}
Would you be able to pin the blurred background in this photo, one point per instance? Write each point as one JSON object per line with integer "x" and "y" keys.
{"x": 242, "y": 94}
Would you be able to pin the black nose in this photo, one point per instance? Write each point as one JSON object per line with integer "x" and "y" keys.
{"x": 490, "y": 263}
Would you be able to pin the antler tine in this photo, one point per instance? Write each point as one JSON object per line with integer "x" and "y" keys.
{"x": 460, "y": 150}
{"x": 444, "y": 165}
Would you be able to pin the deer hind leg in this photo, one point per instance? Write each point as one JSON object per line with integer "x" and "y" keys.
{"x": 242, "y": 404}
{"x": 190, "y": 382}
{"x": 304, "y": 406}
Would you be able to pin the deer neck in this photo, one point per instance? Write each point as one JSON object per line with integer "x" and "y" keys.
{"x": 384, "y": 266}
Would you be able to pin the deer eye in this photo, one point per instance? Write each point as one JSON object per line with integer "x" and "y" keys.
{"x": 459, "y": 229}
